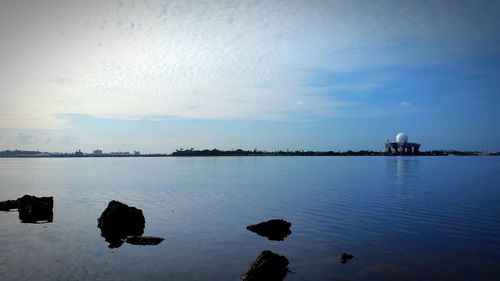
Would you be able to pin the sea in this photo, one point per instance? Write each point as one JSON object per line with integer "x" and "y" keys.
{"x": 402, "y": 218}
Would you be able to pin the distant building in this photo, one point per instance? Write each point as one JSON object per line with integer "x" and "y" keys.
{"x": 78, "y": 153}
{"x": 402, "y": 146}
{"x": 97, "y": 152}
{"x": 137, "y": 153}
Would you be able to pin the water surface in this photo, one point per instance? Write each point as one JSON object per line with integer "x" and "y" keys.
{"x": 403, "y": 218}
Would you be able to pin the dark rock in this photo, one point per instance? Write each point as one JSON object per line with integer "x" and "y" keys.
{"x": 9, "y": 204}
{"x": 144, "y": 240}
{"x": 267, "y": 267}
{"x": 345, "y": 257}
{"x": 31, "y": 209}
{"x": 119, "y": 221}
{"x": 34, "y": 209}
{"x": 276, "y": 229}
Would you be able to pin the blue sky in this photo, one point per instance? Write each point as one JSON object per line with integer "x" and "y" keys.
{"x": 155, "y": 76}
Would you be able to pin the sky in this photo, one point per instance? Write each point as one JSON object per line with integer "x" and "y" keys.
{"x": 156, "y": 76}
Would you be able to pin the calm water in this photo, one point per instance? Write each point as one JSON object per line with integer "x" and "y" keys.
{"x": 403, "y": 218}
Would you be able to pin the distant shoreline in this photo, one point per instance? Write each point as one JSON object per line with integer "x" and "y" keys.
{"x": 224, "y": 153}
{"x": 239, "y": 155}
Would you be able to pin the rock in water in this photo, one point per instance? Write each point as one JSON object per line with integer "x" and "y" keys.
{"x": 276, "y": 229}
{"x": 33, "y": 209}
{"x": 119, "y": 221}
{"x": 267, "y": 267}
{"x": 345, "y": 257}
{"x": 144, "y": 240}
{"x": 9, "y": 204}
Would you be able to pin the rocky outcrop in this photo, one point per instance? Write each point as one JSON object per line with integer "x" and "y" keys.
{"x": 31, "y": 209}
{"x": 8, "y": 205}
{"x": 345, "y": 257}
{"x": 144, "y": 240}
{"x": 118, "y": 221}
{"x": 275, "y": 229}
{"x": 34, "y": 209}
{"x": 267, "y": 267}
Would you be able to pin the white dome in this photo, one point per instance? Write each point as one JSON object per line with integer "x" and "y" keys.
{"x": 401, "y": 138}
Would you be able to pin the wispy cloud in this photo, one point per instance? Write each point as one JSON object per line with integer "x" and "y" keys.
{"x": 216, "y": 60}
{"x": 25, "y": 138}
{"x": 33, "y": 139}
{"x": 404, "y": 104}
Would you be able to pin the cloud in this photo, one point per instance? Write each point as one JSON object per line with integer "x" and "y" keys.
{"x": 212, "y": 60}
{"x": 36, "y": 139}
{"x": 405, "y": 104}
{"x": 25, "y": 138}
{"x": 66, "y": 141}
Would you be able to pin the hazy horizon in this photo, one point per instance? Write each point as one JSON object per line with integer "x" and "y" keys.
{"x": 156, "y": 76}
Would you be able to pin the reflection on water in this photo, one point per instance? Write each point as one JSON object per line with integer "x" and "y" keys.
{"x": 403, "y": 167}
{"x": 401, "y": 217}
{"x": 345, "y": 257}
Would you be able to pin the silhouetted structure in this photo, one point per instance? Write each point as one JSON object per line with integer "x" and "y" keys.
{"x": 255, "y": 152}
{"x": 402, "y": 149}
{"x": 401, "y": 146}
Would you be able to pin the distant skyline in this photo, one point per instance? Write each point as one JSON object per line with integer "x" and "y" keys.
{"x": 155, "y": 76}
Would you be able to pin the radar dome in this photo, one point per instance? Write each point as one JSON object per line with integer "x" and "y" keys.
{"x": 402, "y": 138}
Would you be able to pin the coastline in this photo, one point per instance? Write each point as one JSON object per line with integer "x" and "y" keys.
{"x": 246, "y": 155}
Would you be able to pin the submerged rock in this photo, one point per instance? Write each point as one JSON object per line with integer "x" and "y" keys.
{"x": 267, "y": 267}
{"x": 118, "y": 221}
{"x": 31, "y": 209}
{"x": 276, "y": 229}
{"x": 9, "y": 204}
{"x": 144, "y": 240}
{"x": 345, "y": 257}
